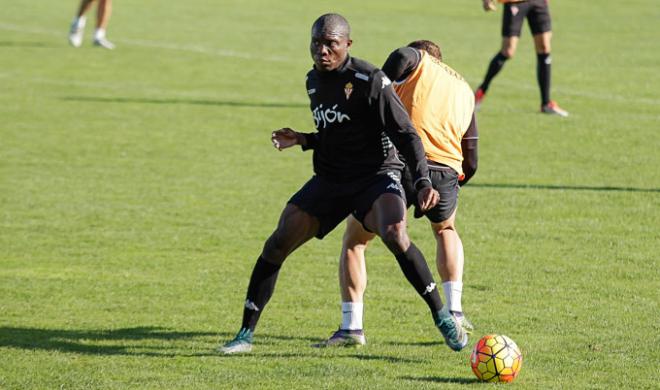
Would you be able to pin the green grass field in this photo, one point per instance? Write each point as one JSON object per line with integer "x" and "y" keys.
{"x": 137, "y": 187}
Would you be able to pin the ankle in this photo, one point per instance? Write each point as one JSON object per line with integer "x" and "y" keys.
{"x": 99, "y": 34}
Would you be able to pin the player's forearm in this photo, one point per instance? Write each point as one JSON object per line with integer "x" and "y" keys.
{"x": 470, "y": 163}
{"x": 469, "y": 146}
{"x": 410, "y": 146}
{"x": 403, "y": 135}
{"x": 396, "y": 123}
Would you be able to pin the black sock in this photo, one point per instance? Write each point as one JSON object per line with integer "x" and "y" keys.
{"x": 494, "y": 68}
{"x": 543, "y": 67}
{"x": 262, "y": 285}
{"x": 417, "y": 272}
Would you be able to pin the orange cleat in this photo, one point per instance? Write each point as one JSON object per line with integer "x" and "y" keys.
{"x": 479, "y": 96}
{"x": 553, "y": 108}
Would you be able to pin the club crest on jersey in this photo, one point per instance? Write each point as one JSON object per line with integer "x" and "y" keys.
{"x": 514, "y": 10}
{"x": 348, "y": 90}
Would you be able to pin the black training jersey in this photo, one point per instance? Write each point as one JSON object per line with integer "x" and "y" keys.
{"x": 356, "y": 113}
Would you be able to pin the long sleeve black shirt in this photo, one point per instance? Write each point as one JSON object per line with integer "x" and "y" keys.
{"x": 356, "y": 113}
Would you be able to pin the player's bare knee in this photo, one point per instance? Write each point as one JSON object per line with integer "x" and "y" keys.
{"x": 276, "y": 248}
{"x": 444, "y": 227}
{"x": 543, "y": 49}
{"x": 508, "y": 52}
{"x": 395, "y": 237}
{"x": 439, "y": 233}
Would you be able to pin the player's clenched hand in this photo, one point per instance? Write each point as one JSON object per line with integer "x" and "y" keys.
{"x": 285, "y": 138}
{"x": 489, "y": 5}
{"x": 427, "y": 198}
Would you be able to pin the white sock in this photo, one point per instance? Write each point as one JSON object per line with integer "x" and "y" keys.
{"x": 351, "y": 315}
{"x": 99, "y": 34}
{"x": 453, "y": 292}
{"x": 79, "y": 22}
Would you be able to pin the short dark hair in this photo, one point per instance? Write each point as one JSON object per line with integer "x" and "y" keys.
{"x": 333, "y": 22}
{"x": 428, "y": 46}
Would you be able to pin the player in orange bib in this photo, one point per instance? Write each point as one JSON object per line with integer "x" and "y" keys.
{"x": 441, "y": 106}
{"x": 537, "y": 14}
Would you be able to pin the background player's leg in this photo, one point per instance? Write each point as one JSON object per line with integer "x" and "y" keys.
{"x": 353, "y": 273}
{"x": 543, "y": 73}
{"x": 509, "y": 45}
{"x": 78, "y": 24}
{"x": 543, "y": 65}
{"x": 449, "y": 255}
{"x": 352, "y": 283}
{"x": 85, "y": 5}
{"x": 450, "y": 261}
{"x": 103, "y": 13}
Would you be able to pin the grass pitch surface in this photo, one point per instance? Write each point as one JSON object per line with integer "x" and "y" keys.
{"x": 137, "y": 187}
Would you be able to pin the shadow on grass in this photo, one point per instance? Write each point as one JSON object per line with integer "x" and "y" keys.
{"x": 561, "y": 187}
{"x": 151, "y": 341}
{"x": 416, "y": 343}
{"x": 25, "y": 44}
{"x": 439, "y": 379}
{"x": 82, "y": 341}
{"x": 313, "y": 353}
{"x": 389, "y": 359}
{"x": 118, "y": 341}
{"x": 203, "y": 102}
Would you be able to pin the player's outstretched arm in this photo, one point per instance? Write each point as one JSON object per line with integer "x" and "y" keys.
{"x": 287, "y": 137}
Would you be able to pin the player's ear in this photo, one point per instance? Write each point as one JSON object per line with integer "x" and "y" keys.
{"x": 349, "y": 43}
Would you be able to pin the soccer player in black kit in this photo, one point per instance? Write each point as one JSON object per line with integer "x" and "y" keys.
{"x": 358, "y": 117}
{"x": 537, "y": 13}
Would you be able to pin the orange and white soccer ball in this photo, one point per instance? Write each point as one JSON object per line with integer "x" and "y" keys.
{"x": 496, "y": 358}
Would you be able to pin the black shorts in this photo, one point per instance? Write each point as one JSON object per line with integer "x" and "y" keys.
{"x": 536, "y": 11}
{"x": 445, "y": 181}
{"x": 332, "y": 202}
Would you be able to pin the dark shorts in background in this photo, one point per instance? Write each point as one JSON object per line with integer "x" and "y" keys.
{"x": 536, "y": 11}
{"x": 445, "y": 181}
{"x": 332, "y": 202}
